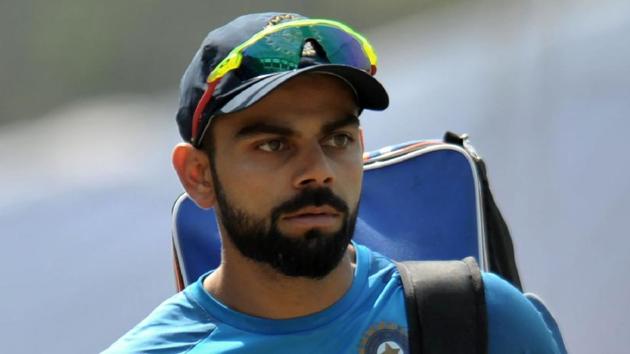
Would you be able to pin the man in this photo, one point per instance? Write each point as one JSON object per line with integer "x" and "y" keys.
{"x": 269, "y": 113}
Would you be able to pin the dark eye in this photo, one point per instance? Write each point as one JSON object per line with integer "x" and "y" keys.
{"x": 273, "y": 145}
{"x": 338, "y": 141}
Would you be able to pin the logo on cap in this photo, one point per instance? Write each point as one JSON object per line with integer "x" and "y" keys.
{"x": 309, "y": 50}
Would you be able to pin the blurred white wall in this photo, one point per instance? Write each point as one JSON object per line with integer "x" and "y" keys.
{"x": 542, "y": 88}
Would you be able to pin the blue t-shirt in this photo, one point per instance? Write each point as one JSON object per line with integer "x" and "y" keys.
{"x": 369, "y": 319}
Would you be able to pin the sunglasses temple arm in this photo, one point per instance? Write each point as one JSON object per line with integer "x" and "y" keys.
{"x": 201, "y": 106}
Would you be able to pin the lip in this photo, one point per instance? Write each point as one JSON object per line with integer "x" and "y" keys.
{"x": 313, "y": 217}
{"x": 323, "y": 210}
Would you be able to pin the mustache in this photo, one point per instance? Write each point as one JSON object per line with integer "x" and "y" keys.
{"x": 311, "y": 197}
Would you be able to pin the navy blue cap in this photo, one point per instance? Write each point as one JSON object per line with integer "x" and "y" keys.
{"x": 233, "y": 94}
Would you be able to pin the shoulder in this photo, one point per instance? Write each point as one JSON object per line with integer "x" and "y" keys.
{"x": 377, "y": 266}
{"x": 176, "y": 325}
{"x": 514, "y": 323}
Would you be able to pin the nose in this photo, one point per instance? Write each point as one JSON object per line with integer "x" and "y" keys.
{"x": 314, "y": 168}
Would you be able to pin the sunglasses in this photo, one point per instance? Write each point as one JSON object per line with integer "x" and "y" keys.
{"x": 281, "y": 47}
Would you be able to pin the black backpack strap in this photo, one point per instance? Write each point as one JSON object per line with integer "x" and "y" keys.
{"x": 446, "y": 308}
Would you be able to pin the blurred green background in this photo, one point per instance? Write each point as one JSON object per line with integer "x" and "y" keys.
{"x": 53, "y": 52}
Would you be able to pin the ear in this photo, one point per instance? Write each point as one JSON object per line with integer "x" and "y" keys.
{"x": 193, "y": 169}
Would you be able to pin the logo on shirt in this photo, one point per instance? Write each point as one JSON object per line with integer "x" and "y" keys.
{"x": 384, "y": 338}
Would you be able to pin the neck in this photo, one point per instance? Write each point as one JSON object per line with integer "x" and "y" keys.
{"x": 258, "y": 290}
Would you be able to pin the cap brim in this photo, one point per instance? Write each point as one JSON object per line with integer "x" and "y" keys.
{"x": 370, "y": 93}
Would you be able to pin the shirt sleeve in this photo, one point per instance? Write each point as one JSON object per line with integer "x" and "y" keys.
{"x": 514, "y": 323}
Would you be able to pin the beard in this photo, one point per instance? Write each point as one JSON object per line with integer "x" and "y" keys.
{"x": 313, "y": 255}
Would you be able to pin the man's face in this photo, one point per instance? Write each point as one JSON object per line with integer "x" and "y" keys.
{"x": 287, "y": 175}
